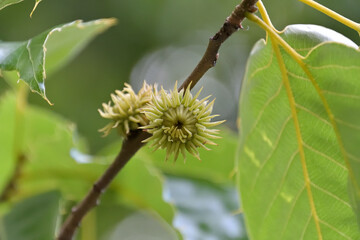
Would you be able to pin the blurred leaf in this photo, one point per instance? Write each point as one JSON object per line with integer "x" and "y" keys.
{"x": 142, "y": 225}
{"x": 216, "y": 165}
{"x": 5, "y": 3}
{"x": 34, "y": 218}
{"x": 108, "y": 215}
{"x": 204, "y": 210}
{"x": 50, "y": 166}
{"x": 141, "y": 184}
{"x": 7, "y": 116}
{"x": 293, "y": 178}
{"x": 51, "y": 48}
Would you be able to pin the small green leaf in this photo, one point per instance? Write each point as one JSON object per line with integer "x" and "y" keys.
{"x": 293, "y": 160}
{"x": 34, "y": 218}
{"x": 44, "y": 53}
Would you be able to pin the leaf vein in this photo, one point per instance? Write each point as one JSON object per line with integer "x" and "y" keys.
{"x": 334, "y": 66}
{"x": 281, "y": 183}
{"x": 292, "y": 211}
{"x": 32, "y": 61}
{"x": 330, "y": 194}
{"x": 261, "y": 112}
{"x": 350, "y": 125}
{"x": 335, "y": 229}
{"x": 298, "y": 76}
{"x": 271, "y": 153}
{"x": 306, "y": 226}
{"x": 312, "y": 113}
{"x": 260, "y": 69}
{"x": 341, "y": 94}
{"x": 324, "y": 155}
{"x": 353, "y": 157}
{"x": 292, "y": 103}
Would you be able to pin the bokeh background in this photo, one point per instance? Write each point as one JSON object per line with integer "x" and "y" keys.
{"x": 157, "y": 41}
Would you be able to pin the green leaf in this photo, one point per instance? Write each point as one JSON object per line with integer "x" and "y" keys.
{"x": 33, "y": 59}
{"x": 5, "y": 3}
{"x": 205, "y": 210}
{"x": 34, "y": 218}
{"x": 293, "y": 175}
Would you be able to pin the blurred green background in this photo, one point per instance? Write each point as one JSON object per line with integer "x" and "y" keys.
{"x": 157, "y": 41}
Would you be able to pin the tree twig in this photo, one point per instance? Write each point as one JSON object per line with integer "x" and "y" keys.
{"x": 128, "y": 149}
{"x": 231, "y": 25}
{"x": 134, "y": 142}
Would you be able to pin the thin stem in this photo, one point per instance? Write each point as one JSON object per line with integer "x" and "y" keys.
{"x": 231, "y": 25}
{"x": 265, "y": 15}
{"x": 332, "y": 14}
{"x": 274, "y": 35}
{"x": 129, "y": 148}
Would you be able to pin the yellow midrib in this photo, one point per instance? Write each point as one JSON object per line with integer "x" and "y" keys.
{"x": 298, "y": 135}
{"x": 299, "y": 59}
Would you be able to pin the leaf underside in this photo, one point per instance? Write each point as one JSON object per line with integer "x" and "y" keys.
{"x": 275, "y": 159}
{"x": 35, "y": 58}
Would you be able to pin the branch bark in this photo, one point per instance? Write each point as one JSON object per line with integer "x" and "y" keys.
{"x": 231, "y": 25}
{"x": 134, "y": 142}
{"x": 130, "y": 146}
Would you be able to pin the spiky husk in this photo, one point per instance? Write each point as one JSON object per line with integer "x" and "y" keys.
{"x": 125, "y": 110}
{"x": 180, "y": 122}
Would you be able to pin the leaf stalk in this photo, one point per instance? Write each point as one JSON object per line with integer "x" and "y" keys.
{"x": 338, "y": 17}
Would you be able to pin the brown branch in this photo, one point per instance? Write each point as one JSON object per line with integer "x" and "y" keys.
{"x": 128, "y": 149}
{"x": 134, "y": 142}
{"x": 231, "y": 25}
